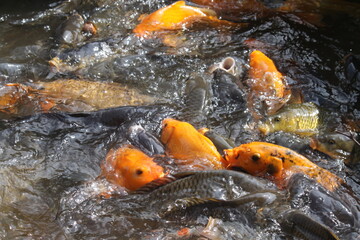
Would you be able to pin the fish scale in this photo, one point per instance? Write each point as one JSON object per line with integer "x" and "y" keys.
{"x": 220, "y": 184}
{"x": 303, "y": 119}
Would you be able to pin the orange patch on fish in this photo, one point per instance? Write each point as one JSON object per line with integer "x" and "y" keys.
{"x": 266, "y": 83}
{"x": 176, "y": 17}
{"x": 277, "y": 163}
{"x": 184, "y": 142}
{"x": 266, "y": 75}
{"x": 130, "y": 168}
{"x": 11, "y": 96}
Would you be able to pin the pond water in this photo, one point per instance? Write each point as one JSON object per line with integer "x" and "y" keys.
{"x": 50, "y": 161}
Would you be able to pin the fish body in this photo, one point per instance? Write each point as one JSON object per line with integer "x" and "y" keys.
{"x": 183, "y": 142}
{"x": 277, "y": 163}
{"x": 228, "y": 189}
{"x": 130, "y": 168}
{"x": 266, "y": 83}
{"x": 216, "y": 184}
{"x": 97, "y": 95}
{"x": 197, "y": 95}
{"x": 303, "y": 119}
{"x": 176, "y": 17}
{"x": 11, "y": 96}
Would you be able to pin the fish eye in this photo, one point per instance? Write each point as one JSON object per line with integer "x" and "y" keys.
{"x": 277, "y": 119}
{"x": 331, "y": 142}
{"x": 256, "y": 157}
{"x": 139, "y": 172}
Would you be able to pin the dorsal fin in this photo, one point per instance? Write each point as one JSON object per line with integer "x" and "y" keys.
{"x": 185, "y": 174}
{"x": 157, "y": 183}
{"x": 151, "y": 186}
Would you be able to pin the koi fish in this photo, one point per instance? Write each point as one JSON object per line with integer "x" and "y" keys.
{"x": 176, "y": 17}
{"x": 267, "y": 84}
{"x": 174, "y": 194}
{"x": 337, "y": 145}
{"x": 219, "y": 141}
{"x": 12, "y": 95}
{"x": 277, "y": 163}
{"x": 130, "y": 168}
{"x": 303, "y": 119}
{"x": 185, "y": 143}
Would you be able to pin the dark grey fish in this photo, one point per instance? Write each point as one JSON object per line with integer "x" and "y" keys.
{"x": 229, "y": 189}
{"x": 69, "y": 31}
{"x": 303, "y": 226}
{"x": 197, "y": 96}
{"x": 217, "y": 184}
{"x": 145, "y": 141}
{"x": 219, "y": 141}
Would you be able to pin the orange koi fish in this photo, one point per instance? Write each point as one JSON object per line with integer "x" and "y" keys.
{"x": 176, "y": 17}
{"x": 277, "y": 163}
{"x": 11, "y": 95}
{"x": 184, "y": 142}
{"x": 130, "y": 168}
{"x": 17, "y": 99}
{"x": 267, "y": 84}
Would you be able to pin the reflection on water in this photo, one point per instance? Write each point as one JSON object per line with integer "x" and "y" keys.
{"x": 50, "y": 161}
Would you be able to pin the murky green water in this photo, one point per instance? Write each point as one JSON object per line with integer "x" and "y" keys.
{"x": 50, "y": 162}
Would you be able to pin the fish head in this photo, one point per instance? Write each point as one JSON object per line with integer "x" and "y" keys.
{"x": 272, "y": 124}
{"x": 260, "y": 64}
{"x": 11, "y": 96}
{"x": 284, "y": 120}
{"x": 336, "y": 145}
{"x": 131, "y": 168}
{"x": 264, "y": 76}
{"x": 169, "y": 127}
{"x": 229, "y": 65}
{"x": 253, "y": 159}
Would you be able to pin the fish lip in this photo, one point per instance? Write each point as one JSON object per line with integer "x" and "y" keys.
{"x": 264, "y": 129}
{"x": 163, "y": 127}
{"x": 313, "y": 144}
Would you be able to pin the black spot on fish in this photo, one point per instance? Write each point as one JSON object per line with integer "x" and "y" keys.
{"x": 237, "y": 156}
{"x": 271, "y": 169}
